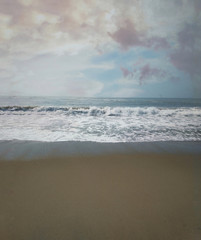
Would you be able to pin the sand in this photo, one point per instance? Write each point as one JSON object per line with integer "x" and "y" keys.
{"x": 139, "y": 196}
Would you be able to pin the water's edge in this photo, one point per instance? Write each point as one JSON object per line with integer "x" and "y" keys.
{"x": 27, "y": 150}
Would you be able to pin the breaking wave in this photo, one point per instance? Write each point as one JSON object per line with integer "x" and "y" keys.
{"x": 101, "y": 111}
{"x": 100, "y": 123}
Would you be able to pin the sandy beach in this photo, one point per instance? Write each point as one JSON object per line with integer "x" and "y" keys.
{"x": 139, "y": 195}
{"x": 100, "y": 120}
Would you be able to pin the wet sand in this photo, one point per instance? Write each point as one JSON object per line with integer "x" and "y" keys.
{"x": 101, "y": 196}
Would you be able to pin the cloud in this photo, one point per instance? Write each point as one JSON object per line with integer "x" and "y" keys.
{"x": 162, "y": 20}
{"x": 148, "y": 71}
{"x": 82, "y": 29}
{"x": 49, "y": 26}
{"x": 127, "y": 37}
{"x": 157, "y": 43}
{"x": 187, "y": 57}
{"x": 126, "y": 73}
{"x": 187, "y": 61}
{"x": 36, "y": 27}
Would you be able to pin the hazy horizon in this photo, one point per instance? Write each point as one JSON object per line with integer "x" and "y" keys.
{"x": 99, "y": 97}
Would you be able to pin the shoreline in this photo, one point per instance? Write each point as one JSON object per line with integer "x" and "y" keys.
{"x": 16, "y": 149}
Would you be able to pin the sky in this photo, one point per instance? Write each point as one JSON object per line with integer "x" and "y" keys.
{"x": 100, "y": 48}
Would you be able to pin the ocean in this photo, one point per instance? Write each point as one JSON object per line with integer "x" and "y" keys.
{"x": 53, "y": 119}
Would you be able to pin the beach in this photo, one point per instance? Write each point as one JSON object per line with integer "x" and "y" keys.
{"x": 100, "y": 191}
{"x": 100, "y": 120}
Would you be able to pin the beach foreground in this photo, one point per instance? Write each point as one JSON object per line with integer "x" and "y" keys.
{"x": 108, "y": 196}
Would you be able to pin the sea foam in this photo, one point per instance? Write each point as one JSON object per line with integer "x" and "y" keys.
{"x": 100, "y": 124}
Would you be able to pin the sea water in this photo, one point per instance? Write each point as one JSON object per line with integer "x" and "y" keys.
{"x": 99, "y": 119}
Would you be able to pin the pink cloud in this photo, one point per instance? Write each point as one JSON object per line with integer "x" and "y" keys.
{"x": 126, "y": 72}
{"x": 127, "y": 36}
{"x": 157, "y": 43}
{"x": 187, "y": 61}
{"x": 146, "y": 72}
{"x": 187, "y": 37}
{"x": 187, "y": 57}
{"x": 10, "y": 7}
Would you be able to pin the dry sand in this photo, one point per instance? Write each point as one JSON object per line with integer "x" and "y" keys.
{"x": 107, "y": 197}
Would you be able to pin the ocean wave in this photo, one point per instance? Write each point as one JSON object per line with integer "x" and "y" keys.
{"x": 16, "y": 108}
{"x": 102, "y": 111}
{"x": 102, "y": 124}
